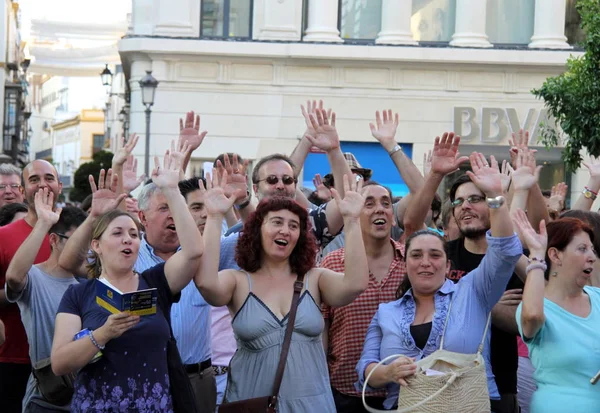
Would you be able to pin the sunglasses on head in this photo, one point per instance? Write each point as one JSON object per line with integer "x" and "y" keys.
{"x": 273, "y": 179}
{"x": 473, "y": 199}
{"x": 63, "y": 236}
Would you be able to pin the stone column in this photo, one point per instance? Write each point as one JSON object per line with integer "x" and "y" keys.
{"x": 322, "y": 22}
{"x": 549, "y": 25}
{"x": 395, "y": 22}
{"x": 470, "y": 24}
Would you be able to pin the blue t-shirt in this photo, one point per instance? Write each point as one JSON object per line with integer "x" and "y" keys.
{"x": 566, "y": 355}
{"x": 132, "y": 374}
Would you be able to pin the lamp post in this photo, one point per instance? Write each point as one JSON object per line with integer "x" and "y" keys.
{"x": 148, "y": 86}
{"x": 106, "y": 76}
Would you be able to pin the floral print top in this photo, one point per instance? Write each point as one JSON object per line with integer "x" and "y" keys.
{"x": 131, "y": 375}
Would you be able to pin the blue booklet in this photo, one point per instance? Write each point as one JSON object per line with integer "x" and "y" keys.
{"x": 141, "y": 302}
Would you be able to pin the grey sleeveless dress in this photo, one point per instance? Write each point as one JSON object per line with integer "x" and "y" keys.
{"x": 259, "y": 333}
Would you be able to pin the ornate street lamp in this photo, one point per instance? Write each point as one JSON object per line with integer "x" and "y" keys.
{"x": 106, "y": 76}
{"x": 148, "y": 86}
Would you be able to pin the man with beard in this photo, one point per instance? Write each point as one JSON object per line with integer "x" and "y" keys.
{"x": 14, "y": 354}
{"x": 10, "y": 184}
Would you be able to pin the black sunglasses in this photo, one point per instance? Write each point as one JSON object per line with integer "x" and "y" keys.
{"x": 61, "y": 235}
{"x": 273, "y": 179}
{"x": 473, "y": 199}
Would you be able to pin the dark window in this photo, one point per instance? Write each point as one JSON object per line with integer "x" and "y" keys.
{"x": 573, "y": 31}
{"x": 226, "y": 18}
{"x": 359, "y": 19}
{"x": 11, "y": 130}
{"x": 98, "y": 143}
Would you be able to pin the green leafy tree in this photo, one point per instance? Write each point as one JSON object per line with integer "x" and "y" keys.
{"x": 81, "y": 184}
{"x": 573, "y": 98}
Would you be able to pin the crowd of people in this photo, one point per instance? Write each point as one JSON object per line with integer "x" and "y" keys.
{"x": 494, "y": 266}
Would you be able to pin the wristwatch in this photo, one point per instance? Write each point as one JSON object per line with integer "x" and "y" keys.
{"x": 395, "y": 149}
{"x": 245, "y": 203}
{"x": 589, "y": 194}
{"x": 496, "y": 202}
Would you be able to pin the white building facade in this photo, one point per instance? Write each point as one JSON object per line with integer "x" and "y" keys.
{"x": 445, "y": 65}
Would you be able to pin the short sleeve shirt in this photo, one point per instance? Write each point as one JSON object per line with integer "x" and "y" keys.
{"x": 132, "y": 373}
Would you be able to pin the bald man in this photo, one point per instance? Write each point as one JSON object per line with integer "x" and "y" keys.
{"x": 14, "y": 353}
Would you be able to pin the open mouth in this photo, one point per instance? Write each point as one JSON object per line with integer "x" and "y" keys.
{"x": 426, "y": 274}
{"x": 171, "y": 227}
{"x": 468, "y": 217}
{"x": 281, "y": 242}
{"x": 127, "y": 252}
{"x": 380, "y": 222}
{"x": 588, "y": 271}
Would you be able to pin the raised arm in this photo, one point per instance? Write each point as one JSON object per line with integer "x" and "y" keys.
{"x": 302, "y": 150}
{"x": 587, "y": 198}
{"x": 445, "y": 159}
{"x": 182, "y": 266}
{"x": 216, "y": 288}
{"x": 524, "y": 177}
{"x": 105, "y": 198}
{"x": 532, "y": 310}
{"x": 237, "y": 184}
{"x": 16, "y": 275}
{"x": 339, "y": 289}
{"x": 385, "y": 132}
{"x": 124, "y": 166}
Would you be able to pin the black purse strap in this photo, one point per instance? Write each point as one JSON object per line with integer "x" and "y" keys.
{"x": 163, "y": 300}
{"x": 285, "y": 348}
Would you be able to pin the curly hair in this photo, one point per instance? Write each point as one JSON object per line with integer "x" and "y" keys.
{"x": 249, "y": 249}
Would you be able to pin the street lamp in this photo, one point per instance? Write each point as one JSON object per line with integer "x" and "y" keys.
{"x": 148, "y": 86}
{"x": 106, "y": 76}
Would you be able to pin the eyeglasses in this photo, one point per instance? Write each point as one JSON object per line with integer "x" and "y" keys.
{"x": 12, "y": 186}
{"x": 473, "y": 199}
{"x": 63, "y": 236}
{"x": 273, "y": 179}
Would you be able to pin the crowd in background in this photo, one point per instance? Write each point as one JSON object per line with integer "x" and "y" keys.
{"x": 381, "y": 275}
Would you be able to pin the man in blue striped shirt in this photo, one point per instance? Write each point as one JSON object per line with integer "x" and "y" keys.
{"x": 190, "y": 318}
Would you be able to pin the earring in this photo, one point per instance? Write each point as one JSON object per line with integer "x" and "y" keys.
{"x": 554, "y": 273}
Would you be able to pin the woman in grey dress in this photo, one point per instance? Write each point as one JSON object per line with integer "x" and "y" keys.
{"x": 276, "y": 245}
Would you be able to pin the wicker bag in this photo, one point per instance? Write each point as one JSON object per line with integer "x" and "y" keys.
{"x": 461, "y": 388}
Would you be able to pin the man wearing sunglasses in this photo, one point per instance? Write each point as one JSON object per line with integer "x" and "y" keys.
{"x": 10, "y": 184}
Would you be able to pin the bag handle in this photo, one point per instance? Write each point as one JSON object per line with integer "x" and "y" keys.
{"x": 285, "y": 348}
{"x": 452, "y": 377}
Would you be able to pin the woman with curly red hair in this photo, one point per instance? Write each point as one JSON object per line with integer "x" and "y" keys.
{"x": 275, "y": 247}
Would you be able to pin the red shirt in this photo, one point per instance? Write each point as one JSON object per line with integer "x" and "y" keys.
{"x": 15, "y": 349}
{"x": 349, "y": 324}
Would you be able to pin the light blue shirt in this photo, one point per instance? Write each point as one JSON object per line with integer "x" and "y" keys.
{"x": 472, "y": 299}
{"x": 227, "y": 256}
{"x": 566, "y": 355}
{"x": 190, "y": 318}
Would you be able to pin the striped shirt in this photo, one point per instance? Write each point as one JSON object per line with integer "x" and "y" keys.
{"x": 190, "y": 318}
{"x": 349, "y": 324}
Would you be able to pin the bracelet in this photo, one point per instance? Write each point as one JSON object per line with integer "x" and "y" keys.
{"x": 395, "y": 149}
{"x": 245, "y": 203}
{"x": 533, "y": 259}
{"x": 94, "y": 342}
{"x": 595, "y": 193}
{"x": 536, "y": 266}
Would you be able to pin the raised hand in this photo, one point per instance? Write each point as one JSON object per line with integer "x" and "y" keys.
{"x": 190, "y": 131}
{"x": 130, "y": 178}
{"x": 235, "y": 179}
{"x": 537, "y": 243}
{"x": 506, "y": 171}
{"x": 323, "y": 193}
{"x": 519, "y": 140}
{"x": 353, "y": 202}
{"x": 166, "y": 177}
{"x": 216, "y": 201}
{"x": 593, "y": 167}
{"x": 44, "y": 201}
{"x": 556, "y": 203}
{"x": 311, "y": 108}
{"x": 445, "y": 157}
{"x": 325, "y": 137}
{"x": 385, "y": 129}
{"x": 179, "y": 154}
{"x": 124, "y": 150}
{"x": 525, "y": 176}
{"x": 427, "y": 162}
{"x": 105, "y": 197}
{"x": 487, "y": 178}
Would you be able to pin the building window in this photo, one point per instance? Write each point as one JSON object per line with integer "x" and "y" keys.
{"x": 510, "y": 21}
{"x": 433, "y": 20}
{"x": 360, "y": 19}
{"x": 226, "y": 18}
{"x": 98, "y": 142}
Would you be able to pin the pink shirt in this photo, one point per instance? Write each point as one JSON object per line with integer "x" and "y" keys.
{"x": 223, "y": 342}
{"x": 522, "y": 348}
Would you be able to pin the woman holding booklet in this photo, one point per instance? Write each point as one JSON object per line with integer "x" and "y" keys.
{"x": 132, "y": 372}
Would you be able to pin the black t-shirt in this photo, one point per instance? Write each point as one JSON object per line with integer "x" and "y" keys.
{"x": 503, "y": 345}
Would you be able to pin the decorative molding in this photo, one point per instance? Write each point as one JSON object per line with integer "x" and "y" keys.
{"x": 453, "y": 79}
{"x": 337, "y": 77}
{"x": 510, "y": 82}
{"x": 224, "y": 73}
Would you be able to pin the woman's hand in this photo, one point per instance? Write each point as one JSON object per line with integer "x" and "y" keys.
{"x": 526, "y": 173}
{"x": 485, "y": 176}
{"x": 167, "y": 177}
{"x": 215, "y": 199}
{"x": 105, "y": 197}
{"x": 353, "y": 202}
{"x": 115, "y": 326}
{"x": 537, "y": 243}
{"x": 399, "y": 369}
